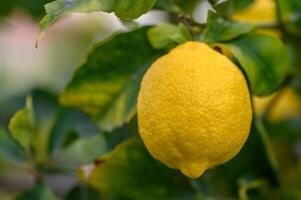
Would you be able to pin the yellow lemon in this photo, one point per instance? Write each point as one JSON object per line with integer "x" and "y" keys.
{"x": 194, "y": 109}
{"x": 260, "y": 11}
{"x": 287, "y": 105}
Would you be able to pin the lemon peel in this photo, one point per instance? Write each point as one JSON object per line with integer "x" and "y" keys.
{"x": 194, "y": 109}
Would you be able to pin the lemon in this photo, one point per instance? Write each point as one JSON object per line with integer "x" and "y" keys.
{"x": 260, "y": 11}
{"x": 286, "y": 106}
{"x": 194, "y": 109}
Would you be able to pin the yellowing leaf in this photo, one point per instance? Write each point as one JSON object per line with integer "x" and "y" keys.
{"x": 22, "y": 126}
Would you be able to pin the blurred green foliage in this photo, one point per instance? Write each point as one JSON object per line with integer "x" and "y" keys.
{"x": 88, "y": 131}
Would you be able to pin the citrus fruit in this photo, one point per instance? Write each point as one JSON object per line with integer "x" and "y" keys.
{"x": 194, "y": 109}
{"x": 260, "y": 11}
{"x": 286, "y": 106}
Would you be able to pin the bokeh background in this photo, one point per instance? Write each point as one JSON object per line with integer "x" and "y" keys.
{"x": 44, "y": 71}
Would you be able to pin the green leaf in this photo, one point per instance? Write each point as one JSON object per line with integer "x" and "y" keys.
{"x": 221, "y": 30}
{"x": 82, "y": 192}
{"x": 82, "y": 151}
{"x": 69, "y": 120}
{"x": 132, "y": 9}
{"x": 264, "y": 60}
{"x": 69, "y": 138}
{"x": 289, "y": 12}
{"x": 34, "y": 7}
{"x": 9, "y": 149}
{"x": 129, "y": 172}
{"x": 22, "y": 125}
{"x": 245, "y": 185}
{"x": 167, "y": 36}
{"x": 106, "y": 85}
{"x": 125, "y": 9}
{"x": 39, "y": 191}
{"x": 168, "y": 5}
{"x": 240, "y": 4}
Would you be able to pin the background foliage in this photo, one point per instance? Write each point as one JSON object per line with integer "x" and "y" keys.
{"x": 76, "y": 136}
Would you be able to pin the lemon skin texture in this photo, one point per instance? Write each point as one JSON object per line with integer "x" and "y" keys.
{"x": 194, "y": 109}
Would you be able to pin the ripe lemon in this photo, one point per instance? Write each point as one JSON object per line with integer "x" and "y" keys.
{"x": 260, "y": 11}
{"x": 286, "y": 106}
{"x": 194, "y": 109}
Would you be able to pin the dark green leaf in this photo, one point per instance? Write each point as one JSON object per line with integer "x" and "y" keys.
{"x": 125, "y": 9}
{"x": 290, "y": 15}
{"x": 106, "y": 85}
{"x": 39, "y": 191}
{"x": 82, "y": 192}
{"x": 167, "y": 36}
{"x": 129, "y": 172}
{"x": 167, "y": 5}
{"x": 22, "y": 125}
{"x": 240, "y": 4}
{"x": 187, "y": 6}
{"x": 264, "y": 60}
{"x": 69, "y": 120}
{"x": 69, "y": 138}
{"x": 34, "y": 7}
{"x": 9, "y": 149}
{"x": 221, "y": 30}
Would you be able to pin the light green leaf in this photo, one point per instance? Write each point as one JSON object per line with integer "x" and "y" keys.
{"x": 220, "y": 30}
{"x": 264, "y": 60}
{"x": 132, "y": 9}
{"x": 39, "y": 191}
{"x": 245, "y": 185}
{"x": 106, "y": 85}
{"x": 22, "y": 125}
{"x": 129, "y": 172}
{"x": 125, "y": 9}
{"x": 167, "y": 36}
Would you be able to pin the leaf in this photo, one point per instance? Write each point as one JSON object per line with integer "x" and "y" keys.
{"x": 69, "y": 120}
{"x": 106, "y": 85}
{"x": 129, "y": 172}
{"x": 240, "y": 4}
{"x": 125, "y": 9}
{"x": 245, "y": 185}
{"x": 39, "y": 191}
{"x": 289, "y": 13}
{"x": 9, "y": 149}
{"x": 22, "y": 125}
{"x": 82, "y": 192}
{"x": 221, "y": 30}
{"x": 69, "y": 138}
{"x": 81, "y": 151}
{"x": 167, "y": 36}
{"x": 264, "y": 60}
{"x": 132, "y": 9}
{"x": 168, "y": 5}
